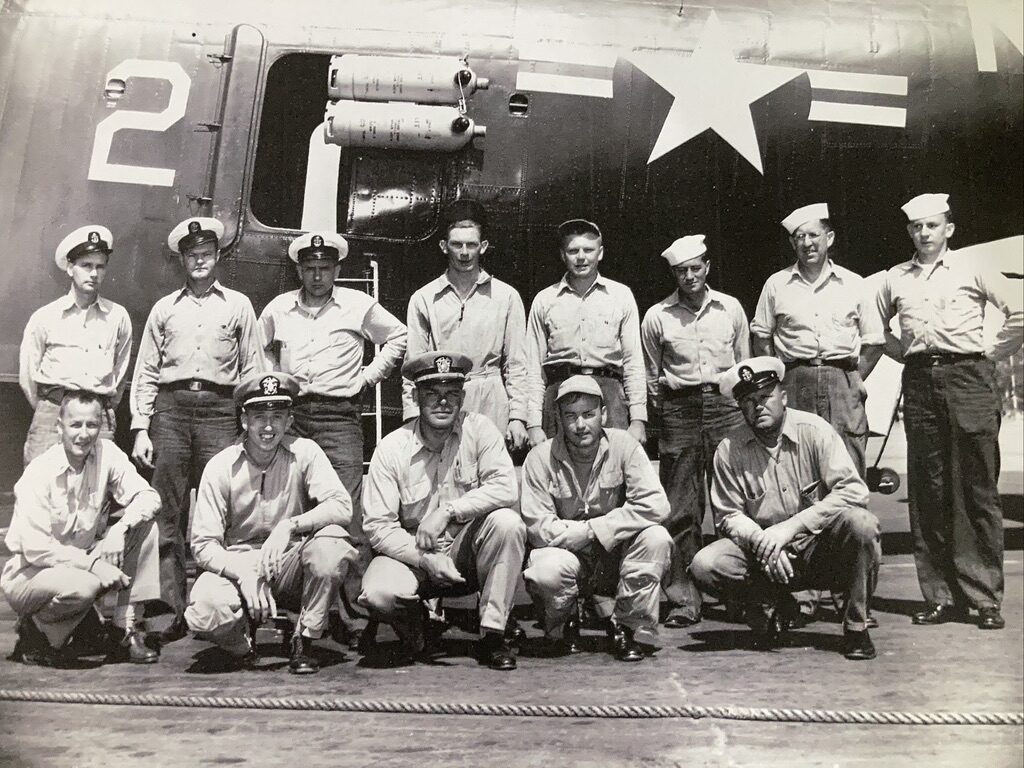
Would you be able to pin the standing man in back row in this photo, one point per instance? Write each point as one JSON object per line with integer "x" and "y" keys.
{"x": 80, "y": 342}
{"x": 468, "y": 310}
{"x": 317, "y": 334}
{"x": 690, "y": 339}
{"x": 585, "y": 324}
{"x": 199, "y": 342}
{"x": 817, "y": 318}
{"x": 952, "y": 409}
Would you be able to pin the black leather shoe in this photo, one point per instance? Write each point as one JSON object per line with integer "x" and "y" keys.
{"x": 343, "y": 632}
{"x": 572, "y": 643}
{"x": 176, "y": 630}
{"x": 33, "y": 648}
{"x": 302, "y": 661}
{"x": 496, "y": 652}
{"x": 626, "y": 648}
{"x": 857, "y": 646}
{"x": 871, "y": 621}
{"x": 679, "y": 620}
{"x": 990, "y": 618}
{"x": 939, "y": 614}
{"x": 131, "y": 647}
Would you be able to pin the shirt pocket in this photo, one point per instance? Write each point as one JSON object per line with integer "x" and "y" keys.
{"x": 467, "y": 476}
{"x": 602, "y": 332}
{"x": 415, "y": 492}
{"x": 754, "y": 492}
{"x": 225, "y": 341}
{"x": 611, "y": 491}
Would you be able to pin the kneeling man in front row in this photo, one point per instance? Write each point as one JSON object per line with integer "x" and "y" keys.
{"x": 269, "y": 529}
{"x": 791, "y": 510}
{"x": 438, "y": 511}
{"x": 66, "y": 554}
{"x": 592, "y": 504}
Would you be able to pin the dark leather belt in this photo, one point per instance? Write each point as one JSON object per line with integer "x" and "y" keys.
{"x": 559, "y": 372}
{"x": 315, "y": 398}
{"x": 929, "y": 359}
{"x": 689, "y": 391}
{"x": 54, "y": 393}
{"x": 200, "y": 385}
{"x": 843, "y": 363}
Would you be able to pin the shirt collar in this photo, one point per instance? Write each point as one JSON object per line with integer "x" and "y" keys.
{"x": 417, "y": 437}
{"x": 61, "y": 464}
{"x": 285, "y": 445}
{"x": 916, "y": 264}
{"x": 216, "y": 287}
{"x": 442, "y": 283}
{"x": 560, "y": 451}
{"x": 101, "y": 304}
{"x": 828, "y": 272}
{"x": 789, "y": 431}
{"x": 304, "y": 308}
{"x": 711, "y": 295}
{"x": 563, "y": 284}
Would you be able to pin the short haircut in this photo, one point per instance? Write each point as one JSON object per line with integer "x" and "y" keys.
{"x": 81, "y": 396}
{"x": 465, "y": 213}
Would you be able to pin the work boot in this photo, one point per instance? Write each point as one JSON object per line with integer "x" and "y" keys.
{"x": 131, "y": 647}
{"x": 496, "y": 651}
{"x": 302, "y": 661}
{"x": 626, "y": 648}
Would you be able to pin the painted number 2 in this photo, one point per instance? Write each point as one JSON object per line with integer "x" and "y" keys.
{"x": 100, "y": 168}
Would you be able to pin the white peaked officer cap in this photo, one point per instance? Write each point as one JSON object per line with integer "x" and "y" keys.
{"x": 193, "y": 231}
{"x": 799, "y": 217}
{"x": 751, "y": 375}
{"x": 92, "y": 238}
{"x": 684, "y": 249}
{"x": 318, "y": 245}
{"x": 926, "y": 205}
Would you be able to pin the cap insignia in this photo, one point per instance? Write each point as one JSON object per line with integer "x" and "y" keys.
{"x": 746, "y": 374}
{"x": 269, "y": 385}
{"x": 193, "y": 227}
{"x": 317, "y": 241}
{"x": 94, "y": 237}
{"x": 443, "y": 364}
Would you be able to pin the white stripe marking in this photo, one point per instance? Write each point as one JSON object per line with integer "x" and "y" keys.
{"x": 568, "y": 53}
{"x": 893, "y": 85}
{"x": 579, "y": 86}
{"x": 858, "y": 114}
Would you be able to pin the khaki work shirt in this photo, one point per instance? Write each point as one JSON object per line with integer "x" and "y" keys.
{"x": 238, "y": 504}
{"x": 831, "y": 318}
{"x": 322, "y": 347}
{"x": 622, "y": 497}
{"x": 213, "y": 337}
{"x": 596, "y": 330}
{"x": 65, "y": 345}
{"x": 407, "y": 481}
{"x": 811, "y": 477}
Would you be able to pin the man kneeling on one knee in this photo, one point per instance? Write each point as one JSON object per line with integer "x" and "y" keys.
{"x": 438, "y": 511}
{"x": 592, "y": 503}
{"x": 66, "y": 553}
{"x": 791, "y": 508}
{"x": 268, "y": 530}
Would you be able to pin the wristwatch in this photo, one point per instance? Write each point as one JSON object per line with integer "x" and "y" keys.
{"x": 293, "y": 526}
{"x": 450, "y": 509}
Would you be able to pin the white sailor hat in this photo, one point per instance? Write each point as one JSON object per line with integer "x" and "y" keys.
{"x": 751, "y": 375}
{"x": 193, "y": 231}
{"x": 684, "y": 249}
{"x": 579, "y": 384}
{"x": 926, "y": 205}
{"x": 440, "y": 365}
{"x": 574, "y": 227}
{"x": 318, "y": 245}
{"x": 799, "y": 217}
{"x": 92, "y": 238}
{"x": 266, "y": 390}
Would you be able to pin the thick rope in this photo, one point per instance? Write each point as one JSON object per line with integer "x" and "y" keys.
{"x": 691, "y": 711}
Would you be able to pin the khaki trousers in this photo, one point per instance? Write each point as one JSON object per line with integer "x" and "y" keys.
{"x": 632, "y": 571}
{"x": 57, "y": 598}
{"x": 313, "y": 570}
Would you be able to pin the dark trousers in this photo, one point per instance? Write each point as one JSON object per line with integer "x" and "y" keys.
{"x": 187, "y": 430}
{"x": 843, "y": 557}
{"x": 838, "y": 397}
{"x": 952, "y": 420}
{"x": 692, "y": 426}
{"x": 614, "y": 402}
{"x": 335, "y": 426}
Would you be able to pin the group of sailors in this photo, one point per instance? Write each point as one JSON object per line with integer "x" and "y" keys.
{"x": 283, "y": 517}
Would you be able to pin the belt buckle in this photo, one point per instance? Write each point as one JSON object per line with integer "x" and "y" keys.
{"x": 934, "y": 360}
{"x": 816, "y": 362}
{"x": 195, "y": 385}
{"x": 708, "y": 388}
{"x": 587, "y": 371}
